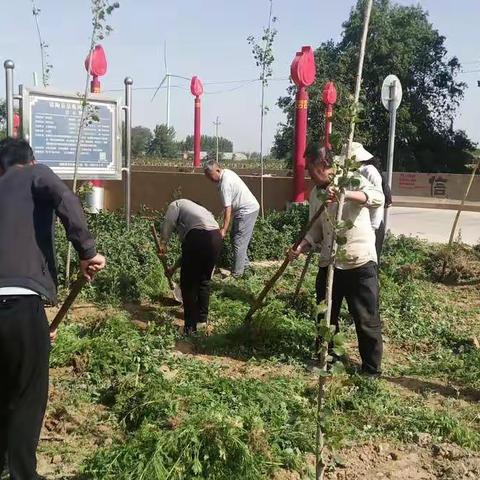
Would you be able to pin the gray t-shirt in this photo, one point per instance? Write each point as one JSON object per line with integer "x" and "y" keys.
{"x": 184, "y": 215}
{"x": 236, "y": 194}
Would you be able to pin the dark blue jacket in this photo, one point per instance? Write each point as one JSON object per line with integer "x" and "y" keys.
{"x": 30, "y": 196}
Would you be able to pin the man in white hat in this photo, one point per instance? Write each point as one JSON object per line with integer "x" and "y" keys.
{"x": 371, "y": 169}
{"x": 356, "y": 272}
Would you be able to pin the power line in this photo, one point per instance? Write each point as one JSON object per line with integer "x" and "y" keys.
{"x": 243, "y": 83}
{"x": 144, "y": 88}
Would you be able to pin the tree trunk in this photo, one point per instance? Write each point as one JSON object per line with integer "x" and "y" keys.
{"x": 320, "y": 465}
{"x": 79, "y": 141}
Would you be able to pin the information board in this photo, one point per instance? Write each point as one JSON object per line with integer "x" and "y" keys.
{"x": 51, "y": 123}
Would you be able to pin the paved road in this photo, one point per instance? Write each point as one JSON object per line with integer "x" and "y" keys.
{"x": 434, "y": 225}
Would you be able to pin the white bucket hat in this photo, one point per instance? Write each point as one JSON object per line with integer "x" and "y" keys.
{"x": 358, "y": 152}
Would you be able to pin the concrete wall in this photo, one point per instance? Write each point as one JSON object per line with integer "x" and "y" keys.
{"x": 155, "y": 187}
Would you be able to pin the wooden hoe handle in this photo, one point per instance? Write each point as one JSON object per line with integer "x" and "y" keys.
{"x": 74, "y": 291}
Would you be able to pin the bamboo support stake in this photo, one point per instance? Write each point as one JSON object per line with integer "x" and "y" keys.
{"x": 457, "y": 216}
{"x": 320, "y": 464}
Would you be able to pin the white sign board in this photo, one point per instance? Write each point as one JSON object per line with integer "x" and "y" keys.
{"x": 51, "y": 123}
{"x": 386, "y": 88}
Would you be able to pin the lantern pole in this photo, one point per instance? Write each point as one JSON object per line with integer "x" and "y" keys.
{"x": 329, "y": 98}
{"x": 301, "y": 121}
{"x": 197, "y": 132}
{"x": 196, "y": 89}
{"x": 95, "y": 198}
{"x": 96, "y": 66}
{"x": 128, "y": 149}
{"x": 302, "y": 71}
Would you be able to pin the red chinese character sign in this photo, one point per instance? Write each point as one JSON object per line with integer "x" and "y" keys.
{"x": 196, "y": 87}
{"x": 96, "y": 67}
{"x": 303, "y": 72}
{"x": 329, "y": 98}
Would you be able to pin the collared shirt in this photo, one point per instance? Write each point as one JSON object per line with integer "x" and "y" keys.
{"x": 360, "y": 239}
{"x": 184, "y": 215}
{"x": 236, "y": 194}
{"x": 374, "y": 177}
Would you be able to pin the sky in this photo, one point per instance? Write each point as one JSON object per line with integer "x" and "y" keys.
{"x": 208, "y": 38}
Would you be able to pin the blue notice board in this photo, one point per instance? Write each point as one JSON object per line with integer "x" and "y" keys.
{"x": 52, "y": 124}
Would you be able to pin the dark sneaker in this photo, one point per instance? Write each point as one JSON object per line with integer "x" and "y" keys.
{"x": 366, "y": 372}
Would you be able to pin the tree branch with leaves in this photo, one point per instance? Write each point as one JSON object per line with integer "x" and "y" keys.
{"x": 101, "y": 10}
{"x": 45, "y": 58}
{"x": 262, "y": 51}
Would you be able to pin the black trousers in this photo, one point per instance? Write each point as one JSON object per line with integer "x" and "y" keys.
{"x": 24, "y": 353}
{"x": 359, "y": 286}
{"x": 200, "y": 252}
{"x": 379, "y": 239}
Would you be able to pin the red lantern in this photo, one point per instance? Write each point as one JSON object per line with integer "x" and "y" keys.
{"x": 329, "y": 98}
{"x": 96, "y": 67}
{"x": 303, "y": 70}
{"x": 196, "y": 87}
{"x": 329, "y": 95}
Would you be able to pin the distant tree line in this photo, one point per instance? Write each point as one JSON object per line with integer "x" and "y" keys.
{"x": 162, "y": 143}
{"x": 3, "y": 118}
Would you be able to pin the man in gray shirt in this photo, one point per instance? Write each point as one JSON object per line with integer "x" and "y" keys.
{"x": 201, "y": 245}
{"x": 240, "y": 203}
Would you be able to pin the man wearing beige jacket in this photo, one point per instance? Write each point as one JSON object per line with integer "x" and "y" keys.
{"x": 355, "y": 277}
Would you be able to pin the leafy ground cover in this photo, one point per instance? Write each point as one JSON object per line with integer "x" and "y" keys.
{"x": 131, "y": 399}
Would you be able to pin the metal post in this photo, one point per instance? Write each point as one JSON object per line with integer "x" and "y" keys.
{"x": 9, "y": 66}
{"x": 128, "y": 147}
{"x": 391, "y": 141}
{"x": 216, "y": 123}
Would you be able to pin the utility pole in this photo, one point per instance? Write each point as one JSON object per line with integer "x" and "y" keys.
{"x": 217, "y": 123}
{"x": 168, "y": 101}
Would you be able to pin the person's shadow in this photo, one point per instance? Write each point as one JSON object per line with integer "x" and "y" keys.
{"x": 233, "y": 292}
{"x": 421, "y": 386}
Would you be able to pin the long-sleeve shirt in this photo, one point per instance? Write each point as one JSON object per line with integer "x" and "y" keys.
{"x": 360, "y": 239}
{"x": 30, "y": 197}
{"x": 374, "y": 177}
{"x": 184, "y": 215}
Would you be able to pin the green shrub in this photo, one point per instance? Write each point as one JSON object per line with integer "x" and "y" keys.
{"x": 134, "y": 272}
{"x": 203, "y": 425}
{"x": 112, "y": 349}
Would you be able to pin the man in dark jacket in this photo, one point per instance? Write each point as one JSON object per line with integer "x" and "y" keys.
{"x": 30, "y": 197}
